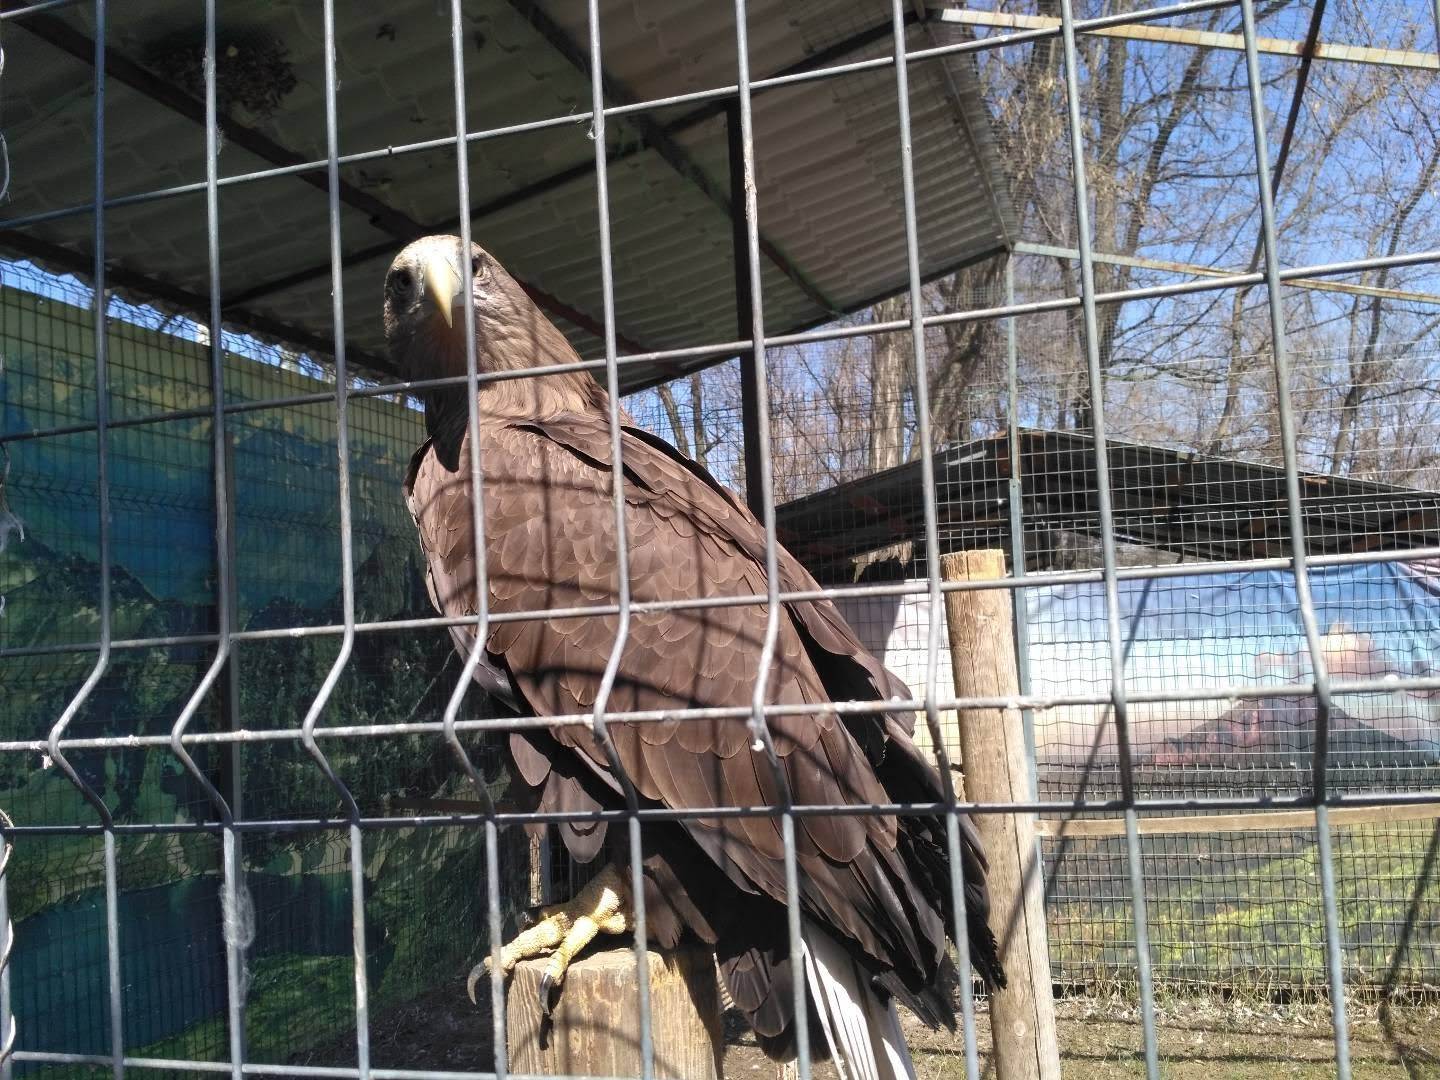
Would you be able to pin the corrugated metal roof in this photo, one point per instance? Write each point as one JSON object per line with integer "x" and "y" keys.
{"x": 828, "y": 165}
{"x": 1192, "y": 504}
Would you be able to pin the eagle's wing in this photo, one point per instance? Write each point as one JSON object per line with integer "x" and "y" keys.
{"x": 550, "y": 543}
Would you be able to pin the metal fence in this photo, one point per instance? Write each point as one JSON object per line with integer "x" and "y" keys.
{"x": 316, "y": 763}
{"x": 282, "y": 481}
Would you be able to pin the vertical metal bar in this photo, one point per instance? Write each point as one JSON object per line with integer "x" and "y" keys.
{"x": 112, "y": 950}
{"x": 622, "y": 544}
{"x": 347, "y": 559}
{"x": 230, "y": 677}
{"x": 1107, "y": 539}
{"x": 102, "y": 457}
{"x": 342, "y": 439}
{"x": 220, "y": 462}
{"x": 1016, "y": 489}
{"x": 1296, "y": 516}
{"x": 932, "y": 541}
{"x": 1334, "y": 949}
{"x": 233, "y": 915}
{"x": 482, "y": 576}
{"x": 357, "y": 938}
{"x": 102, "y": 416}
{"x": 241, "y": 914}
{"x": 102, "y": 482}
{"x": 750, "y": 416}
{"x": 7, "y": 946}
{"x": 1019, "y": 608}
{"x": 497, "y": 977}
{"x": 642, "y": 956}
{"x": 759, "y": 728}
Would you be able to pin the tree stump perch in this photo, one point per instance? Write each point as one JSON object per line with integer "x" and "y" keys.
{"x": 595, "y": 1027}
{"x": 992, "y": 745}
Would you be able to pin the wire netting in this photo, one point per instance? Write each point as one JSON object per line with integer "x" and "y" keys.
{"x": 286, "y": 537}
{"x": 1181, "y": 532}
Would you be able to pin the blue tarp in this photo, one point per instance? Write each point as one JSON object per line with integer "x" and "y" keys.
{"x": 1376, "y": 621}
{"x": 1207, "y": 633}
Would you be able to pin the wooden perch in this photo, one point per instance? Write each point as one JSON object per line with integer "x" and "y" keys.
{"x": 595, "y": 1028}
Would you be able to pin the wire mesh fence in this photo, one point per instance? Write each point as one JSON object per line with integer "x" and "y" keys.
{"x": 1162, "y": 325}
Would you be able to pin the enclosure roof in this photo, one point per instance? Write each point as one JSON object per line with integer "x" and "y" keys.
{"x": 827, "y": 159}
{"x": 1202, "y": 507}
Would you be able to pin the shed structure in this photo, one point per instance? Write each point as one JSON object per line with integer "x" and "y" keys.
{"x": 827, "y": 162}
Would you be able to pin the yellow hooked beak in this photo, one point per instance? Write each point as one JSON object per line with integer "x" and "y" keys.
{"x": 442, "y": 285}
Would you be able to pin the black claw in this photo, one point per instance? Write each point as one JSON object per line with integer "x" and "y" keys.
{"x": 547, "y": 987}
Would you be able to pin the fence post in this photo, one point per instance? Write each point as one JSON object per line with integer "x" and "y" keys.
{"x": 594, "y": 1030}
{"x": 992, "y": 747}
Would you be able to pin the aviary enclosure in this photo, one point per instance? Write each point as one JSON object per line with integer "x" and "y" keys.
{"x": 1144, "y": 297}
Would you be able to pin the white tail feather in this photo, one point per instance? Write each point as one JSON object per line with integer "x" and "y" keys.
{"x": 856, "y": 1023}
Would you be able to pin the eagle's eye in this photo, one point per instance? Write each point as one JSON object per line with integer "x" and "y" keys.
{"x": 402, "y": 281}
{"x": 476, "y": 265}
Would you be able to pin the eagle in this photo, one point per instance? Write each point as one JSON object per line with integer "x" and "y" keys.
{"x": 874, "y": 889}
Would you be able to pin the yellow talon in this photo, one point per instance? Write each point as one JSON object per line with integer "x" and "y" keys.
{"x": 602, "y": 907}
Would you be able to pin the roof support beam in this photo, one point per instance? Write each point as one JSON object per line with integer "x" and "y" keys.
{"x": 58, "y": 33}
{"x": 1173, "y": 35}
{"x": 695, "y": 117}
{"x": 1024, "y": 247}
{"x": 656, "y": 139}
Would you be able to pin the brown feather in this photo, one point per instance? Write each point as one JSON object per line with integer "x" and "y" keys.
{"x": 550, "y": 542}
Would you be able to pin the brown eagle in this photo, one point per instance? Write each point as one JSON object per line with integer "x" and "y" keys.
{"x": 874, "y": 889}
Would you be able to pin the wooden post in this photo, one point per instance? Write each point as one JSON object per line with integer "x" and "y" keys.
{"x": 595, "y": 1028}
{"x": 992, "y": 746}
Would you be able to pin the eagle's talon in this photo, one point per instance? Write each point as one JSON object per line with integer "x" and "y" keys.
{"x": 602, "y": 907}
{"x": 473, "y": 979}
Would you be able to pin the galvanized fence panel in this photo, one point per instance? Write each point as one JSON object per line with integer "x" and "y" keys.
{"x": 312, "y": 785}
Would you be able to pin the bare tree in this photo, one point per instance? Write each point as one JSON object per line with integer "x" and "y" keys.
{"x": 891, "y": 374}
{"x": 1171, "y": 171}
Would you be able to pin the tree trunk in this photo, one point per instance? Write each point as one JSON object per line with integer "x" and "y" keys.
{"x": 890, "y": 364}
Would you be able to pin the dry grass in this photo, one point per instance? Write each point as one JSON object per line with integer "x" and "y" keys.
{"x": 1200, "y": 1039}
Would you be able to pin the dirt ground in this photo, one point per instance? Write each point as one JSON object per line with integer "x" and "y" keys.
{"x": 1200, "y": 1039}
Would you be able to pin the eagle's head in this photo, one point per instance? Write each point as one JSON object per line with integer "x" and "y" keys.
{"x": 425, "y": 312}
